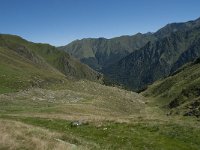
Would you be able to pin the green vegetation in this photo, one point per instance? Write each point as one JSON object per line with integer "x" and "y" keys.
{"x": 17, "y": 73}
{"x": 65, "y": 63}
{"x": 110, "y": 135}
{"x": 180, "y": 91}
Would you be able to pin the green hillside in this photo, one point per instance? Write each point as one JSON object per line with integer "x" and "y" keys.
{"x": 25, "y": 64}
{"x": 180, "y": 92}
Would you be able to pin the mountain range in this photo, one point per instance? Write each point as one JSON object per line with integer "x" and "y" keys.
{"x": 137, "y": 61}
{"x": 100, "y": 53}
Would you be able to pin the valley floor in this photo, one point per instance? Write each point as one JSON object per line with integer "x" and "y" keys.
{"x": 112, "y": 119}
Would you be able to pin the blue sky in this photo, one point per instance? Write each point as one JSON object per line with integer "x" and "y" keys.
{"x": 59, "y": 22}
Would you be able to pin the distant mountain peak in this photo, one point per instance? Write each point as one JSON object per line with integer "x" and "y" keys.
{"x": 101, "y": 52}
{"x": 176, "y": 44}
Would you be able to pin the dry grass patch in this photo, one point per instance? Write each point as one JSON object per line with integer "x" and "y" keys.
{"x": 16, "y": 135}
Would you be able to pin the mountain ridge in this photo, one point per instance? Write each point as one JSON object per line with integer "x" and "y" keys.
{"x": 156, "y": 59}
{"x": 100, "y": 52}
